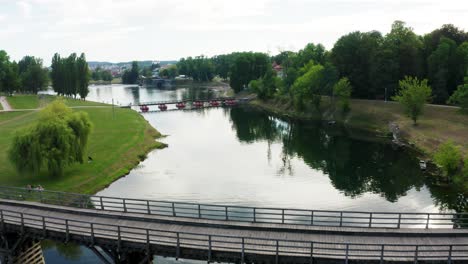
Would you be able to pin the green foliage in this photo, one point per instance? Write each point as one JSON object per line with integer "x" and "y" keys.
{"x": 354, "y": 55}
{"x": 413, "y": 94}
{"x": 342, "y": 90}
{"x": 267, "y": 86}
{"x": 34, "y": 77}
{"x": 131, "y": 76}
{"x": 309, "y": 86}
{"x": 59, "y": 139}
{"x": 461, "y": 179}
{"x": 248, "y": 66}
{"x": 448, "y": 158}
{"x": 460, "y": 96}
{"x": 70, "y": 76}
{"x": 200, "y": 68}
{"x": 27, "y": 76}
{"x": 169, "y": 72}
{"x": 99, "y": 74}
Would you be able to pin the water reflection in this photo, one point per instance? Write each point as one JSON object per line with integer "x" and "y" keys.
{"x": 353, "y": 166}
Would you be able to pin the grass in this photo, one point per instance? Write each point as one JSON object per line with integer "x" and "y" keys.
{"x": 23, "y": 101}
{"x": 436, "y": 125}
{"x": 39, "y": 101}
{"x": 116, "y": 145}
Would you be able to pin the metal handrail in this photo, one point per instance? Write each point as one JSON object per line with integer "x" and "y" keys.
{"x": 360, "y": 219}
{"x": 184, "y": 100}
{"x": 232, "y": 244}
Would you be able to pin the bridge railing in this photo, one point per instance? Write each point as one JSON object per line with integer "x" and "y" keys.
{"x": 242, "y": 246}
{"x": 184, "y": 100}
{"x": 358, "y": 219}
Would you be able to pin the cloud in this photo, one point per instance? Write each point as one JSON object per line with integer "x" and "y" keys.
{"x": 131, "y": 29}
{"x": 25, "y": 8}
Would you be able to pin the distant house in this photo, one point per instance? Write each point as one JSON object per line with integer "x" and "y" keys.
{"x": 278, "y": 69}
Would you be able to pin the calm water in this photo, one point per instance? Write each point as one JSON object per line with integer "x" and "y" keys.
{"x": 243, "y": 156}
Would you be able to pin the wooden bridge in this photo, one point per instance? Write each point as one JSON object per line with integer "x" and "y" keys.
{"x": 234, "y": 233}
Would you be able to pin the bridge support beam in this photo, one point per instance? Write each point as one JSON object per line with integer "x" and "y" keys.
{"x": 130, "y": 257}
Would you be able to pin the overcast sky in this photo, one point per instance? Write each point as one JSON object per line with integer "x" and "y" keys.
{"x": 124, "y": 30}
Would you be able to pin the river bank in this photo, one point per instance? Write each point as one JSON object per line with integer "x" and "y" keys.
{"x": 120, "y": 140}
{"x": 437, "y": 125}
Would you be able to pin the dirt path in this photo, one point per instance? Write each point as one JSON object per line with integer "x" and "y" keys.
{"x": 6, "y": 106}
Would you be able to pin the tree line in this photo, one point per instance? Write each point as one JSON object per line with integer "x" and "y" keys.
{"x": 373, "y": 64}
{"x": 70, "y": 75}
{"x": 101, "y": 75}
{"x": 25, "y": 76}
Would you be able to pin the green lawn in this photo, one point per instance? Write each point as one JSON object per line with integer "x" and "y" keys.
{"x": 116, "y": 146}
{"x": 23, "y": 101}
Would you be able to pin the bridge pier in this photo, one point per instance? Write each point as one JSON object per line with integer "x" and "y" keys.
{"x": 17, "y": 248}
{"x": 128, "y": 256}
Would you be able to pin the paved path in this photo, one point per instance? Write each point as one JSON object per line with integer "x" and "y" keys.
{"x": 260, "y": 240}
{"x": 6, "y": 106}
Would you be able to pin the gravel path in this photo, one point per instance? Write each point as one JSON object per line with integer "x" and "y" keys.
{"x": 6, "y": 106}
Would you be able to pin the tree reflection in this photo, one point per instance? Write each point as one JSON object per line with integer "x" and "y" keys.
{"x": 353, "y": 166}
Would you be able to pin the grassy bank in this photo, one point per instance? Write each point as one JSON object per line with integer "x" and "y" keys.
{"x": 24, "y": 101}
{"x": 117, "y": 144}
{"x": 437, "y": 124}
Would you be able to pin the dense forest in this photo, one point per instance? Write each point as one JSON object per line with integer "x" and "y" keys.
{"x": 372, "y": 62}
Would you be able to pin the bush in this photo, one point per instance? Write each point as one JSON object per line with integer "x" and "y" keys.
{"x": 460, "y": 97}
{"x": 342, "y": 90}
{"x": 448, "y": 157}
{"x": 413, "y": 94}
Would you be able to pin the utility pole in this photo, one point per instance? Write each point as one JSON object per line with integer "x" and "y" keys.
{"x": 385, "y": 94}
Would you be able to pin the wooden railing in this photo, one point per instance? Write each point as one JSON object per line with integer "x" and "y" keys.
{"x": 242, "y": 213}
{"x": 241, "y": 246}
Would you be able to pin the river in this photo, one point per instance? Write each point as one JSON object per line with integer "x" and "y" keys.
{"x": 244, "y": 156}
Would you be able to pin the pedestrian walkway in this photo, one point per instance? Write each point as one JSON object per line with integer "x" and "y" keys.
{"x": 5, "y": 105}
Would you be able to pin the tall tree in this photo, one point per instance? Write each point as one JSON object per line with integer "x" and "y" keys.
{"x": 440, "y": 69}
{"x": 5, "y": 68}
{"x": 353, "y": 55}
{"x": 12, "y": 81}
{"x": 34, "y": 77}
{"x": 83, "y": 76}
{"x": 248, "y": 66}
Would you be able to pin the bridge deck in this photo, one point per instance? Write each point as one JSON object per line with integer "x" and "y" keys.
{"x": 266, "y": 239}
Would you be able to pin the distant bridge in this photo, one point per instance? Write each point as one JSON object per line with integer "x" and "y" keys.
{"x": 142, "y": 228}
{"x": 175, "y": 101}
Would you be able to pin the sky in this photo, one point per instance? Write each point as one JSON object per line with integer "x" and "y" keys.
{"x": 126, "y": 30}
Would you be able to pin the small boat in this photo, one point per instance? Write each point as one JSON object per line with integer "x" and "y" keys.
{"x": 144, "y": 108}
{"x": 214, "y": 103}
{"x": 198, "y": 104}
{"x": 162, "y": 107}
{"x": 230, "y": 102}
{"x": 422, "y": 165}
{"x": 180, "y": 105}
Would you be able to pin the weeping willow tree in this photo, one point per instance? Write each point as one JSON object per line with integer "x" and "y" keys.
{"x": 59, "y": 139}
